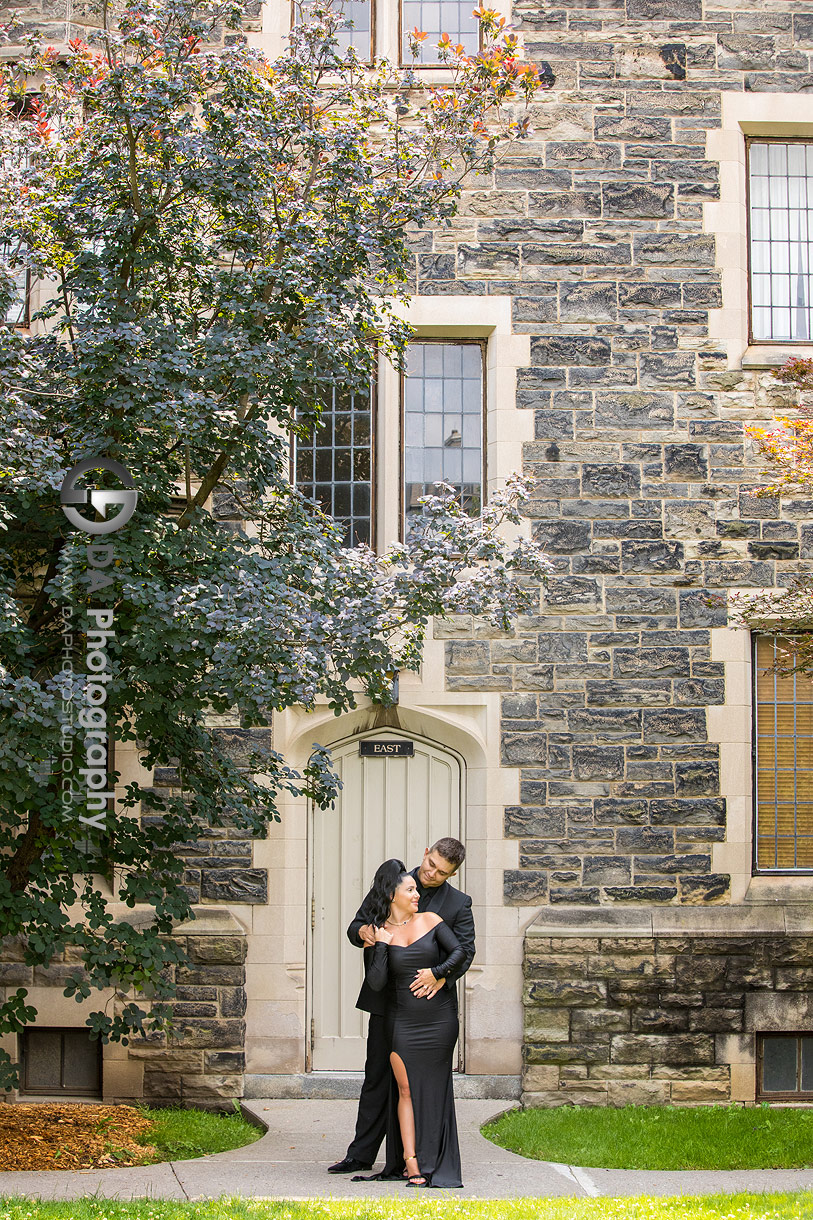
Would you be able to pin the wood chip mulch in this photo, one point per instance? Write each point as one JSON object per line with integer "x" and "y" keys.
{"x": 40, "y": 1136}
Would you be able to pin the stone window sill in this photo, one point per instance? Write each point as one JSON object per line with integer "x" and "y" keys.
{"x": 774, "y": 355}
{"x": 781, "y": 889}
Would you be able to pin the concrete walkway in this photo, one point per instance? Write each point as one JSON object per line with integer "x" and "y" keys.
{"x": 304, "y": 1137}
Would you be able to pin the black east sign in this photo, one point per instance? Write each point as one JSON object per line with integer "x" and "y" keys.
{"x": 386, "y": 749}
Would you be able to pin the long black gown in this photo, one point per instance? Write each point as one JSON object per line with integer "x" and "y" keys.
{"x": 423, "y": 1032}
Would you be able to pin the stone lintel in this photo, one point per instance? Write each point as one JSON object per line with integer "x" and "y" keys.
{"x": 748, "y": 919}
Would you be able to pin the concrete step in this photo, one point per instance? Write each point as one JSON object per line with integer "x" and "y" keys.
{"x": 335, "y": 1086}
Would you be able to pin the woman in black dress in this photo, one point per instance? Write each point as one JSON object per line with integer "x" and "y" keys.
{"x": 422, "y": 1131}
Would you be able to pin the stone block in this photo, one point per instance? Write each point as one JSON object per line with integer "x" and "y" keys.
{"x": 243, "y": 885}
{"x": 224, "y": 1061}
{"x": 655, "y": 557}
{"x": 673, "y": 1049}
{"x": 616, "y": 811}
{"x": 674, "y": 724}
{"x": 575, "y": 594}
{"x": 563, "y": 537}
{"x": 685, "y": 462}
{"x": 585, "y": 203}
{"x": 606, "y": 480}
{"x": 588, "y": 302}
{"x": 717, "y": 1020}
{"x": 641, "y": 893}
{"x": 570, "y": 349}
{"x": 713, "y": 887}
{"x": 488, "y": 261}
{"x": 601, "y": 1020}
{"x": 211, "y": 1034}
{"x": 467, "y": 657}
{"x": 651, "y": 662}
{"x": 523, "y": 887}
{"x": 540, "y": 1077}
{"x": 555, "y": 646}
{"x": 698, "y": 1092}
{"x": 212, "y": 1087}
{"x": 637, "y": 1092}
{"x": 683, "y": 812}
{"x": 209, "y": 975}
{"x": 216, "y": 950}
{"x": 698, "y": 609}
{"x": 606, "y": 870}
{"x": 631, "y": 600}
{"x": 523, "y": 821}
{"x": 638, "y": 200}
{"x": 598, "y": 762}
{"x": 697, "y": 778}
{"x": 592, "y": 1051}
{"x": 604, "y": 722}
{"x": 660, "y": 1020}
{"x": 778, "y": 82}
{"x": 665, "y": 10}
{"x": 520, "y": 748}
{"x": 633, "y": 409}
{"x": 691, "y": 692}
{"x": 232, "y": 1001}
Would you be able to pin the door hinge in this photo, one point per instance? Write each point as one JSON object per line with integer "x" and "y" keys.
{"x": 313, "y": 1030}
{"x": 313, "y": 914}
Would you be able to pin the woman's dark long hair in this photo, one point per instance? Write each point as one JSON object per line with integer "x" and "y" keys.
{"x": 388, "y": 877}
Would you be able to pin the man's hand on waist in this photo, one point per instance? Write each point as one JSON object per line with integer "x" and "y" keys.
{"x": 425, "y": 985}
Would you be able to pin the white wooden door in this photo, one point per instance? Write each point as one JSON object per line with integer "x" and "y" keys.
{"x": 387, "y": 807}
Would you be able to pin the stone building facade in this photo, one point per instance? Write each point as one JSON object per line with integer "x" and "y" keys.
{"x": 599, "y": 756}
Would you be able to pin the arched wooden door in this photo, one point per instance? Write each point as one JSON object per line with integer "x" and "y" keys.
{"x": 387, "y": 807}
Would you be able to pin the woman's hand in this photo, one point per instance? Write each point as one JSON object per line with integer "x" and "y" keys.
{"x": 382, "y": 935}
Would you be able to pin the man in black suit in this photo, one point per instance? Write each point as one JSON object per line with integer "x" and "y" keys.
{"x": 440, "y": 862}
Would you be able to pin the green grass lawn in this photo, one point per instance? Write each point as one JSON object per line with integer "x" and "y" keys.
{"x": 181, "y": 1135}
{"x": 718, "y": 1207}
{"x": 660, "y": 1137}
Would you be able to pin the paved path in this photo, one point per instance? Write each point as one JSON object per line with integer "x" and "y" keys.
{"x": 304, "y": 1137}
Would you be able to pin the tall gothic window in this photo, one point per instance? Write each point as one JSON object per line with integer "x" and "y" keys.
{"x": 780, "y": 211}
{"x": 17, "y": 312}
{"x": 783, "y": 747}
{"x": 357, "y": 33}
{"x": 434, "y": 18}
{"x": 334, "y": 465}
{"x": 442, "y": 423}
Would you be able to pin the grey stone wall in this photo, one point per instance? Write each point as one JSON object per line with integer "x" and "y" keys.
{"x": 203, "y": 1063}
{"x": 644, "y": 499}
{"x": 619, "y": 1018}
{"x": 60, "y": 21}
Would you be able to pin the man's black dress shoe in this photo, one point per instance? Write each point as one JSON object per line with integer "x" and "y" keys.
{"x": 348, "y": 1165}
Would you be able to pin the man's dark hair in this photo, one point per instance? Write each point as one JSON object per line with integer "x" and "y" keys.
{"x": 451, "y": 850}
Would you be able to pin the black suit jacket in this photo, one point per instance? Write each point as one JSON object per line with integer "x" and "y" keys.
{"x": 451, "y": 905}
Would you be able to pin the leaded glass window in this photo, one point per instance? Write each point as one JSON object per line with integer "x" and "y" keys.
{"x": 359, "y": 34}
{"x": 17, "y": 312}
{"x": 443, "y": 423}
{"x": 783, "y": 724}
{"x": 780, "y": 195}
{"x": 434, "y": 18}
{"x": 334, "y": 465}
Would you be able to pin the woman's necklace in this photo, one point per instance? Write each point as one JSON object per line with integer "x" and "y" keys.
{"x": 399, "y": 924}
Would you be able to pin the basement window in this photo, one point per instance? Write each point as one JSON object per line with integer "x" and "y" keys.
{"x": 61, "y": 1062}
{"x": 785, "y": 1067}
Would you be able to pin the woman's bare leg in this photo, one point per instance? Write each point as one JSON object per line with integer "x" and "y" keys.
{"x": 406, "y": 1117}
